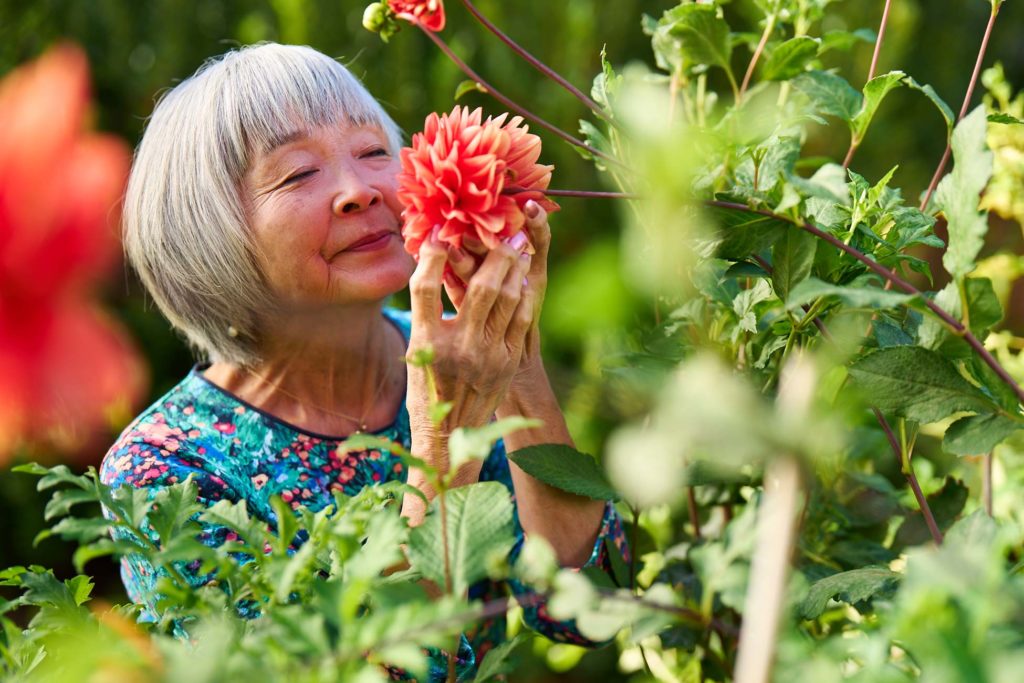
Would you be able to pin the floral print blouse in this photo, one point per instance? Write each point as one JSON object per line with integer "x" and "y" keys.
{"x": 234, "y": 450}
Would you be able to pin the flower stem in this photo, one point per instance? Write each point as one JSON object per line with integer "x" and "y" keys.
{"x": 963, "y": 108}
{"x": 691, "y": 504}
{"x": 952, "y": 323}
{"x": 534, "y": 62}
{"x": 445, "y": 48}
{"x": 768, "y": 28}
{"x": 878, "y": 41}
{"x": 908, "y": 472}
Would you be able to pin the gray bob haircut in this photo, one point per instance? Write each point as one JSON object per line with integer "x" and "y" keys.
{"x": 185, "y": 230}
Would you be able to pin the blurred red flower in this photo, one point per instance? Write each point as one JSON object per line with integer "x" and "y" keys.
{"x": 471, "y": 178}
{"x": 64, "y": 365}
{"x": 429, "y": 13}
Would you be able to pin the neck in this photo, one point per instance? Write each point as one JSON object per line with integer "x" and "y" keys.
{"x": 328, "y": 370}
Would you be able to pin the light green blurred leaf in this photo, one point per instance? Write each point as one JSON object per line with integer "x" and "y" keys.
{"x": 979, "y": 434}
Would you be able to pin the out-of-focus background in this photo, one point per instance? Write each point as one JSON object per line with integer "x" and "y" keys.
{"x": 136, "y": 50}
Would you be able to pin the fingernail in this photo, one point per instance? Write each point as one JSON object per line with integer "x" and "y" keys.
{"x": 434, "y": 233}
{"x": 532, "y": 208}
{"x": 525, "y": 282}
{"x": 517, "y": 241}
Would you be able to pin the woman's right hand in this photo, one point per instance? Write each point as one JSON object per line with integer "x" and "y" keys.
{"x": 476, "y": 353}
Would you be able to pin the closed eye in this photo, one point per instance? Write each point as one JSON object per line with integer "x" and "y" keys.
{"x": 298, "y": 176}
{"x": 377, "y": 152}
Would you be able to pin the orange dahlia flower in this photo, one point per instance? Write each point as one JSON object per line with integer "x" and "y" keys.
{"x": 429, "y": 13}
{"x": 65, "y": 367}
{"x": 471, "y": 178}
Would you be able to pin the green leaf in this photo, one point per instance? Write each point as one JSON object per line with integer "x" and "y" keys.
{"x": 468, "y": 444}
{"x": 982, "y": 305}
{"x": 744, "y": 232}
{"x": 862, "y": 296}
{"x": 940, "y": 104}
{"x": 1001, "y": 117}
{"x": 844, "y": 40}
{"x": 173, "y": 506}
{"x": 566, "y": 469}
{"x": 496, "y": 661}
{"x": 830, "y": 94}
{"x": 978, "y": 434}
{"x": 62, "y": 501}
{"x": 916, "y": 383}
{"x": 703, "y": 35}
{"x": 874, "y": 92}
{"x": 792, "y": 260}
{"x": 850, "y": 587}
{"x": 479, "y": 528}
{"x": 790, "y": 58}
{"x": 467, "y": 86}
{"x": 959, "y": 193}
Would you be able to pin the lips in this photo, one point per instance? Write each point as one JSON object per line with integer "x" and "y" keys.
{"x": 368, "y": 240}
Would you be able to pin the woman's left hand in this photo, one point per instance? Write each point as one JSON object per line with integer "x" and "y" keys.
{"x": 465, "y": 261}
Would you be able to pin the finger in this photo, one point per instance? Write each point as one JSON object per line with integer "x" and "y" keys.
{"x": 508, "y": 298}
{"x": 463, "y": 263}
{"x": 522, "y": 321}
{"x": 456, "y": 289}
{"x": 538, "y": 229}
{"x": 425, "y": 284}
{"x": 483, "y": 288}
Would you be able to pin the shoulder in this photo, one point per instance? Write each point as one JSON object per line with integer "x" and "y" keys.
{"x": 164, "y": 444}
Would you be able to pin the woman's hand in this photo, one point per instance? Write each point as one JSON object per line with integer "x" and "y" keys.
{"x": 476, "y": 353}
{"x": 465, "y": 262}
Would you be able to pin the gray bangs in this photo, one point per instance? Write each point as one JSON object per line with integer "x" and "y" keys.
{"x": 269, "y": 90}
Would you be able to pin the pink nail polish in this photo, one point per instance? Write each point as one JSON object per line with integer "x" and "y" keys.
{"x": 532, "y": 208}
{"x": 517, "y": 241}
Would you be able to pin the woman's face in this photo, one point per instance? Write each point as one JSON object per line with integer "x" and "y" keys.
{"x": 325, "y": 215}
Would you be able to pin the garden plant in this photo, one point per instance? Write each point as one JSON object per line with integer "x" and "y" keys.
{"x": 821, "y": 459}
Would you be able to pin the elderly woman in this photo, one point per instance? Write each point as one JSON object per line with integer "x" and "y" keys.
{"x": 261, "y": 214}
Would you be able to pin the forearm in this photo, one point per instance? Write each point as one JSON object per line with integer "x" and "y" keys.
{"x": 570, "y": 523}
{"x": 432, "y": 447}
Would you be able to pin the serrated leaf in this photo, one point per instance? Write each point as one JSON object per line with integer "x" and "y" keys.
{"x": 172, "y": 507}
{"x": 790, "y": 58}
{"x": 496, "y": 661}
{"x": 940, "y": 104}
{"x": 792, "y": 260}
{"x": 1001, "y": 117}
{"x": 468, "y": 444}
{"x": 467, "y": 86}
{"x": 875, "y": 91}
{"x": 479, "y": 527}
{"x": 566, "y": 469}
{"x": 62, "y": 501}
{"x": 857, "y": 296}
{"x": 830, "y": 94}
{"x": 916, "y": 383}
{"x": 851, "y": 587}
{"x": 978, "y": 434}
{"x": 958, "y": 194}
{"x": 744, "y": 232}
{"x": 703, "y": 35}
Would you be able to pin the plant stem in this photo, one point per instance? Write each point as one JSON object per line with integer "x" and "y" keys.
{"x": 633, "y": 537}
{"x": 986, "y": 482}
{"x": 769, "y": 572}
{"x": 536, "y": 63}
{"x": 445, "y": 48}
{"x": 907, "y": 469}
{"x": 878, "y": 41}
{"x": 952, "y": 323}
{"x": 691, "y": 503}
{"x": 963, "y": 108}
{"x": 584, "y": 194}
{"x": 765, "y": 35}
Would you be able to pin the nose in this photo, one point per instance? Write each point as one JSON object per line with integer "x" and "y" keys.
{"x": 354, "y": 194}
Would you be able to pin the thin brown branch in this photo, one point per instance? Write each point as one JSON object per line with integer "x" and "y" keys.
{"x": 907, "y": 469}
{"x": 493, "y": 92}
{"x": 937, "y": 176}
{"x": 769, "y": 26}
{"x": 878, "y": 41}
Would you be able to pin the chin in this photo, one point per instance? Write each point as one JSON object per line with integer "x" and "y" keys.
{"x": 379, "y": 281}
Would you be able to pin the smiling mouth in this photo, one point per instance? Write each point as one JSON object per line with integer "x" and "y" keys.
{"x": 373, "y": 241}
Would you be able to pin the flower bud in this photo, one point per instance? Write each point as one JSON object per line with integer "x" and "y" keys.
{"x": 375, "y": 17}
